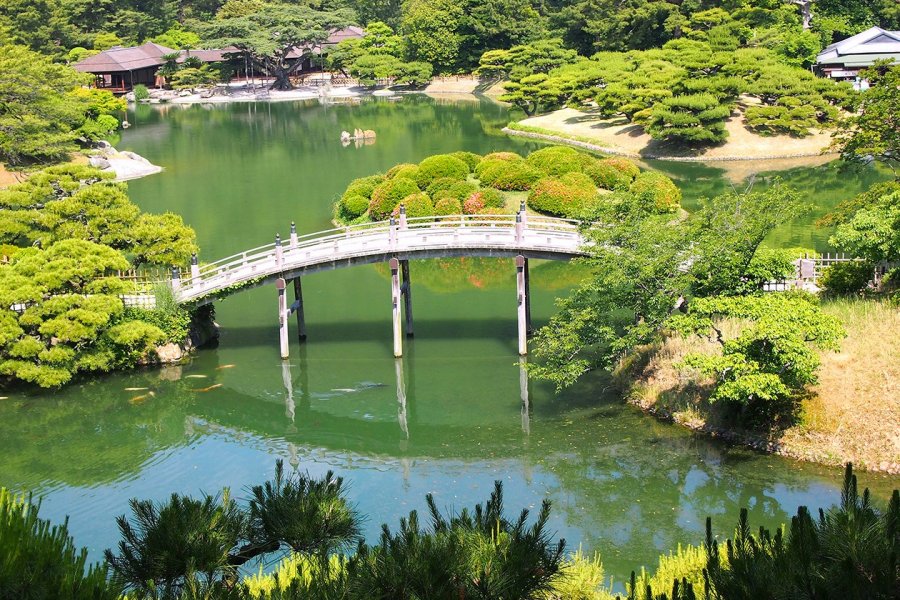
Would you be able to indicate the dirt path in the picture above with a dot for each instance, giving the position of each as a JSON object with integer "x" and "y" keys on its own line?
{"x": 629, "y": 139}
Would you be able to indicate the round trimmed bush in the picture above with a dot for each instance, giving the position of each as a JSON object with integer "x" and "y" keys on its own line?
{"x": 489, "y": 198}
{"x": 491, "y": 159}
{"x": 407, "y": 170}
{"x": 607, "y": 176}
{"x": 579, "y": 180}
{"x": 363, "y": 186}
{"x": 846, "y": 277}
{"x": 387, "y": 195}
{"x": 624, "y": 165}
{"x": 447, "y": 206}
{"x": 353, "y": 206}
{"x": 508, "y": 174}
{"x": 556, "y": 197}
{"x": 473, "y": 204}
{"x": 556, "y": 160}
{"x": 447, "y": 187}
{"x": 657, "y": 192}
{"x": 417, "y": 205}
{"x": 470, "y": 158}
{"x": 438, "y": 166}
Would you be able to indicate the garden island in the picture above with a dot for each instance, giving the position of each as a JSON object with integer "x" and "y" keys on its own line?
{"x": 648, "y": 251}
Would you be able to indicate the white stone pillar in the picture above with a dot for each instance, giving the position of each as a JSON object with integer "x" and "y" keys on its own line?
{"x": 522, "y": 316}
{"x": 395, "y": 307}
{"x": 284, "y": 343}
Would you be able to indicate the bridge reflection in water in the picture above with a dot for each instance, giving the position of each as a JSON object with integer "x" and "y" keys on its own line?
{"x": 290, "y": 385}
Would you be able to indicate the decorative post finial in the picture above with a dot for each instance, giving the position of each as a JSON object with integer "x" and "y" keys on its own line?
{"x": 522, "y": 206}
{"x": 194, "y": 259}
{"x": 293, "y": 227}
{"x": 277, "y": 239}
{"x": 402, "y": 209}
{"x": 402, "y": 216}
{"x": 176, "y": 274}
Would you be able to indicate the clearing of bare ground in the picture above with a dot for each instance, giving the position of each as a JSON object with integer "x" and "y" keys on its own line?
{"x": 852, "y": 414}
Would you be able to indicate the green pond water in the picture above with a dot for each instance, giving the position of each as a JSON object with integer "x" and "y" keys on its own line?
{"x": 621, "y": 484}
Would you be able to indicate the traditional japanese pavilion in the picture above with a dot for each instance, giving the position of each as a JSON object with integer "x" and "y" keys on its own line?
{"x": 845, "y": 59}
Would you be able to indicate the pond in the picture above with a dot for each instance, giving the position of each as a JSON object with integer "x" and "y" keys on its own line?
{"x": 449, "y": 418}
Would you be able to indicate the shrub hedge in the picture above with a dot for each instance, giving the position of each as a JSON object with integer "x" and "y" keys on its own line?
{"x": 563, "y": 199}
{"x": 656, "y": 189}
{"x": 846, "y": 278}
{"x": 607, "y": 176}
{"x": 417, "y": 205}
{"x": 439, "y": 166}
{"x": 447, "y": 206}
{"x": 353, "y": 206}
{"x": 470, "y": 158}
{"x": 408, "y": 170}
{"x": 556, "y": 160}
{"x": 508, "y": 174}
{"x": 387, "y": 195}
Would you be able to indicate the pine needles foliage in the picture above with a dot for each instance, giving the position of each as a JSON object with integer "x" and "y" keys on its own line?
{"x": 39, "y": 560}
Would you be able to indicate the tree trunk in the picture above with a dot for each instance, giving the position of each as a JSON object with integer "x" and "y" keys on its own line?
{"x": 282, "y": 81}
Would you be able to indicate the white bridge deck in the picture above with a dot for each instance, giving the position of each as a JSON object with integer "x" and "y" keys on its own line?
{"x": 422, "y": 237}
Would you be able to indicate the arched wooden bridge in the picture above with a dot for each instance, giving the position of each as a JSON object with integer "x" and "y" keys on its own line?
{"x": 518, "y": 236}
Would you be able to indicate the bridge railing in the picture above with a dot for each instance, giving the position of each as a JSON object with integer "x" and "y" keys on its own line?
{"x": 260, "y": 256}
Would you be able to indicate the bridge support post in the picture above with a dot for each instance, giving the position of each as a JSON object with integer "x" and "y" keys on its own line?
{"x": 528, "y": 328}
{"x": 280, "y": 285}
{"x": 301, "y": 317}
{"x": 406, "y": 291}
{"x": 521, "y": 267}
{"x": 395, "y": 307}
{"x": 195, "y": 267}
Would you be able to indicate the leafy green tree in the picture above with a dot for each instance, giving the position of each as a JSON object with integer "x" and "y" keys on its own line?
{"x": 643, "y": 270}
{"x": 38, "y": 114}
{"x": 80, "y": 202}
{"x": 177, "y": 38}
{"x": 41, "y": 25}
{"x": 765, "y": 367}
{"x": 873, "y": 232}
{"x": 691, "y": 119}
{"x": 106, "y": 40}
{"x": 432, "y": 33}
{"x": 875, "y": 130}
{"x": 273, "y": 32}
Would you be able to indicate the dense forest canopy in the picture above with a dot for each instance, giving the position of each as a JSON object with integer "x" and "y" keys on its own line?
{"x": 452, "y": 35}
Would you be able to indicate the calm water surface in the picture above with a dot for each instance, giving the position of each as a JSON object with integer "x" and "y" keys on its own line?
{"x": 449, "y": 418}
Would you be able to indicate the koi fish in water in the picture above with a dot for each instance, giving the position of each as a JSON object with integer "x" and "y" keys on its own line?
{"x": 142, "y": 398}
{"x": 195, "y": 376}
{"x": 206, "y": 389}
{"x": 225, "y": 367}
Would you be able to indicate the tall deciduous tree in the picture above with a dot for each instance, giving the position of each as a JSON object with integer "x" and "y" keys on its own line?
{"x": 272, "y": 35}
{"x": 875, "y": 130}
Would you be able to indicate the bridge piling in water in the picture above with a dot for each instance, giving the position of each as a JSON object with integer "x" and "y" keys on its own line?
{"x": 395, "y": 307}
{"x": 521, "y": 269}
{"x": 406, "y": 291}
{"x": 298, "y": 304}
{"x": 280, "y": 285}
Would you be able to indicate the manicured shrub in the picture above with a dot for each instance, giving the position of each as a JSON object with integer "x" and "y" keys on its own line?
{"x": 556, "y": 160}
{"x": 386, "y": 196}
{"x": 607, "y": 177}
{"x": 656, "y": 192}
{"x": 490, "y": 197}
{"x": 141, "y": 92}
{"x": 470, "y": 158}
{"x": 473, "y": 204}
{"x": 408, "y": 170}
{"x": 447, "y": 206}
{"x": 364, "y": 186}
{"x": 452, "y": 188}
{"x": 438, "y": 166}
{"x": 417, "y": 205}
{"x": 579, "y": 180}
{"x": 492, "y": 158}
{"x": 624, "y": 165}
{"x": 846, "y": 277}
{"x": 353, "y": 206}
{"x": 556, "y": 197}
{"x": 508, "y": 174}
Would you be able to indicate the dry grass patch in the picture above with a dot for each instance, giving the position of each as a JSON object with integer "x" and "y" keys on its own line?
{"x": 853, "y": 414}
